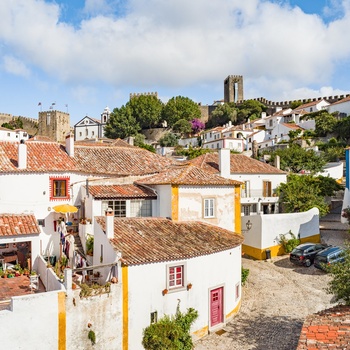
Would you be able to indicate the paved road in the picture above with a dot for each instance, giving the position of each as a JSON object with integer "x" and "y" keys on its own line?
{"x": 276, "y": 300}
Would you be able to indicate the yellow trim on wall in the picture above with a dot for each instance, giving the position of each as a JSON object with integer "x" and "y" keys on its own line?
{"x": 175, "y": 203}
{"x": 276, "y": 250}
{"x": 62, "y": 320}
{"x": 235, "y": 310}
{"x": 238, "y": 220}
{"x": 201, "y": 332}
{"x": 125, "y": 307}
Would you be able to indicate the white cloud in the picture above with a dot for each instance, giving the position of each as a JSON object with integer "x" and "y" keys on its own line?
{"x": 177, "y": 43}
{"x": 15, "y": 66}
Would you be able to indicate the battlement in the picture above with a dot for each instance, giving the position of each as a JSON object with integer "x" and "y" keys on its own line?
{"x": 132, "y": 95}
{"x": 286, "y": 104}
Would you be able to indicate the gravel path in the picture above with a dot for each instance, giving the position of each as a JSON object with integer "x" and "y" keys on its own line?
{"x": 275, "y": 301}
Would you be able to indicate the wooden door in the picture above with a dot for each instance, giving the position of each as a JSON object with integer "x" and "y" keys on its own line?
{"x": 216, "y": 306}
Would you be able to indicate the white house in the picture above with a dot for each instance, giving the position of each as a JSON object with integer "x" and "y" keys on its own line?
{"x": 313, "y": 106}
{"x": 342, "y": 106}
{"x": 260, "y": 180}
{"x": 162, "y": 264}
{"x": 13, "y": 135}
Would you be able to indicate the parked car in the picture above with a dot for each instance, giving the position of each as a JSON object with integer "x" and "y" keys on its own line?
{"x": 304, "y": 254}
{"x": 329, "y": 256}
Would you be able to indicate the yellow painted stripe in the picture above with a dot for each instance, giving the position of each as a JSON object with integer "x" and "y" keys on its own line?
{"x": 237, "y": 224}
{"x": 276, "y": 250}
{"x": 235, "y": 310}
{"x": 125, "y": 281}
{"x": 175, "y": 203}
{"x": 62, "y": 321}
{"x": 201, "y": 332}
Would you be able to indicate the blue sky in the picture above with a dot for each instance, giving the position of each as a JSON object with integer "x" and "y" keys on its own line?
{"x": 84, "y": 55}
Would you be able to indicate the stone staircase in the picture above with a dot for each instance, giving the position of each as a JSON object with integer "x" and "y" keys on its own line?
{"x": 78, "y": 247}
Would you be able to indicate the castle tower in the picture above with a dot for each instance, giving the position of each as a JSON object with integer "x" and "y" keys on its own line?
{"x": 54, "y": 124}
{"x": 233, "y": 88}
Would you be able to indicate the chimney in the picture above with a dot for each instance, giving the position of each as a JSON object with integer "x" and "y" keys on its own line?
{"x": 22, "y": 155}
{"x": 131, "y": 140}
{"x": 109, "y": 223}
{"x": 278, "y": 162}
{"x": 70, "y": 145}
{"x": 225, "y": 162}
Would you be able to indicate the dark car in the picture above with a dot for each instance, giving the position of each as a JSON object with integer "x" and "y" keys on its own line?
{"x": 304, "y": 254}
{"x": 329, "y": 256}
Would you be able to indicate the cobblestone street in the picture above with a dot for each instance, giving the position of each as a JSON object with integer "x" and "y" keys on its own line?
{"x": 275, "y": 302}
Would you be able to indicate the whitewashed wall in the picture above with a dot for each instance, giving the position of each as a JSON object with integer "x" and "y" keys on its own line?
{"x": 266, "y": 229}
{"x": 32, "y": 323}
{"x": 146, "y": 283}
{"x": 191, "y": 204}
{"x": 334, "y": 170}
{"x": 343, "y": 107}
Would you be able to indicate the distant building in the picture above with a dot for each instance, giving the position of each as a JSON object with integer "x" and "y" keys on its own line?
{"x": 91, "y": 128}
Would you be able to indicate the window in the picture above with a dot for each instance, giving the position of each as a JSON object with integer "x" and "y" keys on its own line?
{"x": 48, "y": 118}
{"x": 140, "y": 208}
{"x": 59, "y": 188}
{"x": 245, "y": 189}
{"x": 154, "y": 317}
{"x": 41, "y": 222}
{"x": 118, "y": 207}
{"x": 209, "y": 207}
{"x": 176, "y": 278}
{"x": 246, "y": 210}
{"x": 267, "y": 189}
{"x": 92, "y": 133}
{"x": 237, "y": 291}
{"x": 80, "y": 133}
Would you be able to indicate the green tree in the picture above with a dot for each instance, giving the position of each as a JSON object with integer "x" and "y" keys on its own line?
{"x": 250, "y": 109}
{"x": 139, "y": 141}
{"x": 342, "y": 130}
{"x": 302, "y": 193}
{"x": 295, "y": 159}
{"x": 182, "y": 126}
{"x": 222, "y": 114}
{"x": 180, "y": 108}
{"x": 192, "y": 152}
{"x": 13, "y": 124}
{"x": 121, "y": 124}
{"x": 172, "y": 333}
{"x": 295, "y": 104}
{"x": 325, "y": 123}
{"x": 146, "y": 109}
{"x": 339, "y": 285}
{"x": 168, "y": 140}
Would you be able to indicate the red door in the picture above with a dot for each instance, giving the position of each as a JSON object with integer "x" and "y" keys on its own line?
{"x": 216, "y": 306}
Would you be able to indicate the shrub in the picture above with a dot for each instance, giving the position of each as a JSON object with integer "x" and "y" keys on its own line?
{"x": 244, "y": 275}
{"x": 289, "y": 244}
{"x": 170, "y": 333}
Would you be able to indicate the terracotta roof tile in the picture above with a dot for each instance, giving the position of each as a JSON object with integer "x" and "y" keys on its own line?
{"x": 239, "y": 164}
{"x": 147, "y": 240}
{"x": 101, "y": 160}
{"x": 187, "y": 175}
{"x": 41, "y": 157}
{"x": 328, "y": 329}
{"x": 121, "y": 161}
{"x": 345, "y": 99}
{"x": 18, "y": 224}
{"x": 121, "y": 191}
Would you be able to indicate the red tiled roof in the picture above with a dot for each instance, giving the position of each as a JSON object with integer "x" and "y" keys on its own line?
{"x": 121, "y": 161}
{"x": 147, "y": 240}
{"x": 121, "y": 191}
{"x": 105, "y": 159}
{"x": 328, "y": 329}
{"x": 18, "y": 224}
{"x": 309, "y": 104}
{"x": 345, "y": 99}
{"x": 239, "y": 164}
{"x": 292, "y": 126}
{"x": 41, "y": 157}
{"x": 187, "y": 175}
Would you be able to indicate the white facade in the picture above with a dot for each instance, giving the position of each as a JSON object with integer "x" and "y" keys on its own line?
{"x": 342, "y": 106}
{"x": 266, "y": 229}
{"x": 13, "y": 135}
{"x": 226, "y": 142}
{"x": 146, "y": 282}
